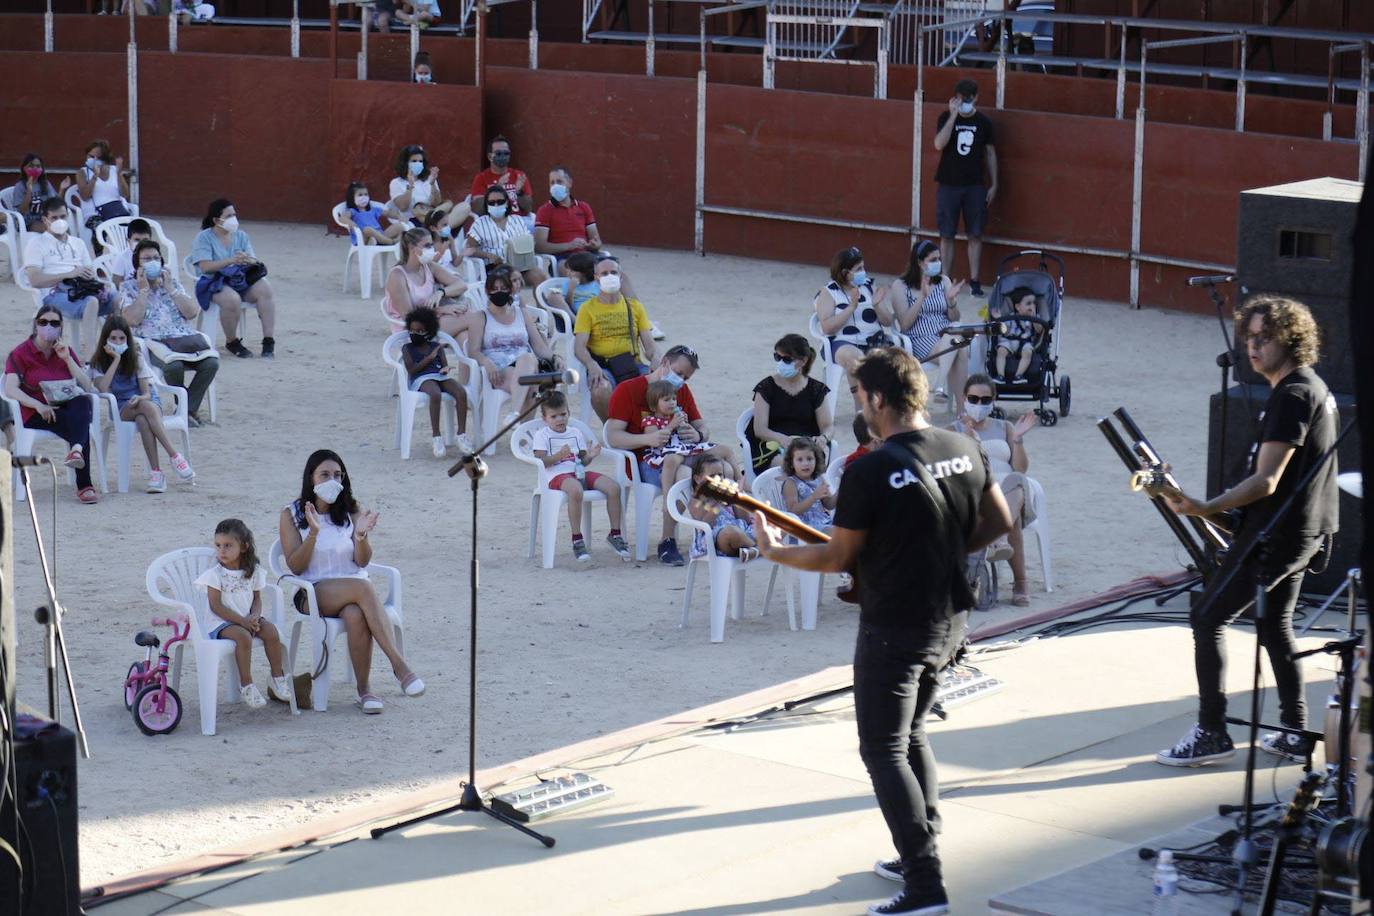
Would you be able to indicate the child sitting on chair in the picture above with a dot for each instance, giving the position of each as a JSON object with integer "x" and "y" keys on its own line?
{"x": 806, "y": 493}
{"x": 565, "y": 451}
{"x": 733, "y": 534}
{"x": 661, "y": 397}
{"x": 1019, "y": 337}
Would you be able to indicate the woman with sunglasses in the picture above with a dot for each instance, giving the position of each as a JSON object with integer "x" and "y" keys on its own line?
{"x": 926, "y": 302}
{"x": 1002, "y": 441}
{"x": 47, "y": 358}
{"x": 787, "y": 404}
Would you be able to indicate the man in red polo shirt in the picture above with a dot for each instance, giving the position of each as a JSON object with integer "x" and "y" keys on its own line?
{"x": 515, "y": 182}
{"x": 625, "y": 430}
{"x": 564, "y": 224}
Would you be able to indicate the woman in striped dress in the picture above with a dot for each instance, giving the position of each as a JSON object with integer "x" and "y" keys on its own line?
{"x": 925, "y": 302}
{"x": 493, "y": 229}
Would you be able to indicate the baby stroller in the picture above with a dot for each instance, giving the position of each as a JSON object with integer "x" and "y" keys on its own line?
{"x": 1041, "y": 380}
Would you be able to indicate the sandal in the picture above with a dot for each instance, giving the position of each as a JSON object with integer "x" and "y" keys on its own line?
{"x": 369, "y": 703}
{"x": 76, "y": 458}
{"x": 1020, "y": 594}
{"x": 748, "y": 553}
{"x": 88, "y": 495}
{"x": 411, "y": 685}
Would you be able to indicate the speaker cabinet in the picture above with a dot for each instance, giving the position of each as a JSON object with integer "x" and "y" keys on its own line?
{"x": 1244, "y": 404}
{"x": 45, "y": 785}
{"x": 1295, "y": 240}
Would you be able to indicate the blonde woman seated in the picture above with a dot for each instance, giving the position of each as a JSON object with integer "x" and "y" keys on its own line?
{"x": 418, "y": 280}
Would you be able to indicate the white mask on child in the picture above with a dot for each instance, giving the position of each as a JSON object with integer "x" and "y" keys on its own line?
{"x": 329, "y": 491}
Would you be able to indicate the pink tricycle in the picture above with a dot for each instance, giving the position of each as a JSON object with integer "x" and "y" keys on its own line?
{"x": 155, "y": 705}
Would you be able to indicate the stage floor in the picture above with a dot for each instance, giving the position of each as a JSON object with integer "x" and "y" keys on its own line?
{"x": 777, "y": 816}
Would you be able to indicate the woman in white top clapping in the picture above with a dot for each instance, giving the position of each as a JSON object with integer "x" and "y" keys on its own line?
{"x": 102, "y": 184}
{"x": 415, "y": 191}
{"x": 324, "y": 537}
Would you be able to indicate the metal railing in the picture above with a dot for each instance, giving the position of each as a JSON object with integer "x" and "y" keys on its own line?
{"x": 813, "y": 38}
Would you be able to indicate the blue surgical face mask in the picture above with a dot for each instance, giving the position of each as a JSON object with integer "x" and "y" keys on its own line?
{"x": 416, "y": 167}
{"x": 933, "y": 268}
{"x": 786, "y": 370}
{"x": 93, "y": 164}
{"x": 860, "y": 277}
{"x": 497, "y": 211}
{"x": 558, "y": 192}
{"x": 965, "y": 108}
{"x": 672, "y": 378}
{"x": 445, "y": 233}
{"x": 152, "y": 269}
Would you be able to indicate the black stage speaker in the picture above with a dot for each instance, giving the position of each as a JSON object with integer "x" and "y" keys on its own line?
{"x": 1244, "y": 404}
{"x": 1295, "y": 240}
{"x": 9, "y": 824}
{"x": 45, "y": 784}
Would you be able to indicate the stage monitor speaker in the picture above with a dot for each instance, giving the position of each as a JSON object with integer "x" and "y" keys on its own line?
{"x": 1295, "y": 240}
{"x": 1244, "y": 405}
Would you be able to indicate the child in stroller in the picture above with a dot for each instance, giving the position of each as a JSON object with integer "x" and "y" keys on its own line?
{"x": 1019, "y": 338}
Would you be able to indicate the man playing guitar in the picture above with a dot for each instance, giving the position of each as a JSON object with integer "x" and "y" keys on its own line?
{"x": 907, "y": 516}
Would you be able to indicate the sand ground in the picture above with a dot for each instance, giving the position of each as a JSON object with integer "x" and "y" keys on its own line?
{"x": 566, "y": 653}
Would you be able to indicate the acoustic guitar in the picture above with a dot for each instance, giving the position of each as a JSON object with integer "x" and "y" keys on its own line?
{"x": 727, "y": 491}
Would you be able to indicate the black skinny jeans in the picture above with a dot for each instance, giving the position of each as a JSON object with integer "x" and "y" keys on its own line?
{"x": 895, "y": 685}
{"x": 1285, "y": 566}
{"x": 72, "y": 421}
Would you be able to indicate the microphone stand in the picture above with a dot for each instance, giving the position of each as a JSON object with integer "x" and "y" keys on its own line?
{"x": 471, "y": 800}
{"x": 1246, "y": 854}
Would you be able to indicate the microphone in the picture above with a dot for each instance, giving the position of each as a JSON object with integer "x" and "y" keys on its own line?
{"x": 565, "y": 377}
{"x": 1211, "y": 280}
{"x": 27, "y": 461}
{"x": 973, "y": 330}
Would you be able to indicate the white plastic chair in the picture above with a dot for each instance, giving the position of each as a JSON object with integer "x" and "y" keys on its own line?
{"x": 726, "y": 573}
{"x": 1041, "y": 529}
{"x": 835, "y": 470}
{"x": 126, "y": 432}
{"x": 834, "y": 372}
{"x": 78, "y": 211}
{"x": 25, "y": 439}
{"x": 546, "y": 505}
{"x": 411, "y": 401}
{"x": 211, "y": 397}
{"x": 625, "y": 466}
{"x": 210, "y": 315}
{"x": 113, "y": 235}
{"x": 366, "y": 254}
{"x": 171, "y": 583}
{"x": 810, "y": 585}
{"x": 14, "y": 238}
{"x": 746, "y": 420}
{"x": 323, "y": 632}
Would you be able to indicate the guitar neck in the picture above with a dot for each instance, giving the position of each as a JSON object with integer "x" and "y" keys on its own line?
{"x": 777, "y": 518}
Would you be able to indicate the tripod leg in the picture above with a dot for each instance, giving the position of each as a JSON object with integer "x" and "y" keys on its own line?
{"x": 512, "y": 822}
{"x": 71, "y": 684}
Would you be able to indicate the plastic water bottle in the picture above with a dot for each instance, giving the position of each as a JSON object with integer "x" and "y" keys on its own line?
{"x": 580, "y": 467}
{"x": 1166, "y": 885}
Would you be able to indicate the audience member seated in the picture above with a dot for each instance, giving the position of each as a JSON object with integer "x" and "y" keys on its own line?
{"x": 121, "y": 371}
{"x": 577, "y": 282}
{"x": 428, "y": 371}
{"x": 850, "y": 313}
{"x": 731, "y": 530}
{"x": 365, "y": 218}
{"x": 1019, "y": 338}
{"x": 324, "y": 539}
{"x": 805, "y": 491}
{"x": 565, "y": 451}
{"x": 423, "y": 13}
{"x": 626, "y": 429}
{"x": 415, "y": 191}
{"x": 122, "y": 265}
{"x": 500, "y": 237}
{"x": 612, "y": 333}
{"x": 32, "y": 189}
{"x": 58, "y": 265}
{"x": 230, "y": 274}
{"x": 1002, "y": 441}
{"x": 418, "y": 280}
{"x": 383, "y": 11}
{"x": 162, "y": 313}
{"x": 423, "y": 69}
{"x": 506, "y": 342}
{"x": 564, "y": 225}
{"x": 49, "y": 381}
{"x": 926, "y": 303}
{"x": 102, "y": 186}
{"x": 452, "y": 247}
{"x": 660, "y": 398}
{"x": 867, "y": 442}
{"x": 787, "y": 404}
{"x": 514, "y": 182}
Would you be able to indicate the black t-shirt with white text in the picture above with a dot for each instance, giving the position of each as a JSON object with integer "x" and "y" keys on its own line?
{"x": 905, "y": 568}
{"x": 1300, "y": 412}
{"x": 961, "y": 161}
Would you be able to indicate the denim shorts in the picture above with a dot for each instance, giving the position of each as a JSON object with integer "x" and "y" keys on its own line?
{"x": 217, "y": 631}
{"x": 59, "y": 300}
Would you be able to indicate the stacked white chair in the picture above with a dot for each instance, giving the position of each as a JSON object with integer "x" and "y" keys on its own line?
{"x": 322, "y": 633}
{"x": 411, "y": 401}
{"x": 171, "y": 583}
{"x": 113, "y": 235}
{"x": 547, "y": 505}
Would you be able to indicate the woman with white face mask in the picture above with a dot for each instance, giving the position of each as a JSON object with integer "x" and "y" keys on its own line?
{"x": 231, "y": 273}
{"x": 501, "y": 237}
{"x": 926, "y": 302}
{"x": 1002, "y": 441}
{"x": 420, "y": 280}
{"x": 787, "y": 404}
{"x": 324, "y": 539}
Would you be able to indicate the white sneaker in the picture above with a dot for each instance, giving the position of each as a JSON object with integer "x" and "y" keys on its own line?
{"x": 464, "y": 444}
{"x": 656, "y": 333}
{"x": 157, "y": 482}
{"x": 1000, "y": 550}
{"x": 279, "y": 689}
{"x": 182, "y": 467}
{"x": 439, "y": 448}
{"x": 250, "y": 695}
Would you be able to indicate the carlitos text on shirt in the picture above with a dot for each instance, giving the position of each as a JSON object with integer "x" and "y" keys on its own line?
{"x": 939, "y": 470}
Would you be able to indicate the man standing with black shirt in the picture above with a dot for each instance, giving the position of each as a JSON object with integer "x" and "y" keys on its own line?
{"x": 908, "y": 545}
{"x": 1298, "y": 427}
{"x": 965, "y": 140}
